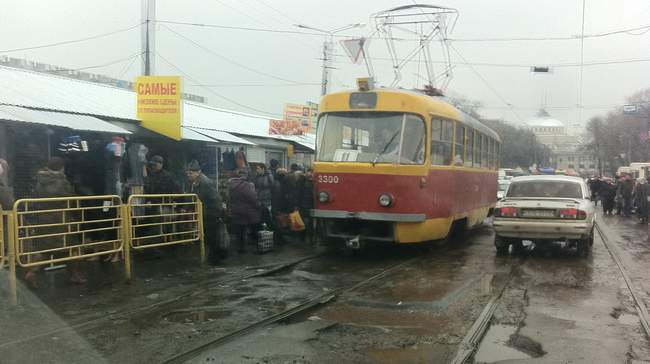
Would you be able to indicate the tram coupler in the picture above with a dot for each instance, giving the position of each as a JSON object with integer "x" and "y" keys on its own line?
{"x": 353, "y": 243}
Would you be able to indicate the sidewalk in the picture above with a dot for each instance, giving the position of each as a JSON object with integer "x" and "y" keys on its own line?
{"x": 38, "y": 330}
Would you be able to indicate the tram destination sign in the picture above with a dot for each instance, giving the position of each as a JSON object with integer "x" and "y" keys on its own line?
{"x": 159, "y": 104}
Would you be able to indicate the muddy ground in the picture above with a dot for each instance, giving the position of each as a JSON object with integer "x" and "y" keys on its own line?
{"x": 555, "y": 307}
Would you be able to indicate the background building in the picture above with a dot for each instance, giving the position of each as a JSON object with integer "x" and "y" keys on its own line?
{"x": 566, "y": 147}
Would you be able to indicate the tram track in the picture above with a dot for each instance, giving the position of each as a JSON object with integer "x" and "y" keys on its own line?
{"x": 639, "y": 305}
{"x": 315, "y": 301}
{"x": 195, "y": 291}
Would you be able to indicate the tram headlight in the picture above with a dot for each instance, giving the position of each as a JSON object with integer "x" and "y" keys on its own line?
{"x": 385, "y": 200}
{"x": 323, "y": 196}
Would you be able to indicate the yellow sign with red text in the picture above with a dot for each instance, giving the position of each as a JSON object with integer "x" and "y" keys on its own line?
{"x": 159, "y": 104}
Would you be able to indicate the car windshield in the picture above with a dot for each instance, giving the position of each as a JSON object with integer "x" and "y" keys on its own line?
{"x": 545, "y": 189}
{"x": 375, "y": 137}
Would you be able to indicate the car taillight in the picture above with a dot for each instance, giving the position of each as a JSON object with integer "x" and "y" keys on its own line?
{"x": 506, "y": 212}
{"x": 573, "y": 214}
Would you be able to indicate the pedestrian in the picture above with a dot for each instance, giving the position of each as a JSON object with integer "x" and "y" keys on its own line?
{"x": 6, "y": 192}
{"x": 159, "y": 180}
{"x": 625, "y": 190}
{"x": 274, "y": 164}
{"x": 243, "y": 208}
{"x": 280, "y": 208}
{"x": 51, "y": 182}
{"x": 642, "y": 193}
{"x": 307, "y": 204}
{"x": 206, "y": 190}
{"x": 608, "y": 195}
{"x": 264, "y": 187}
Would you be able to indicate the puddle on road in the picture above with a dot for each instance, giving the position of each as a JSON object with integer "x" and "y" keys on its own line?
{"x": 420, "y": 353}
{"x": 196, "y": 316}
{"x": 494, "y": 346}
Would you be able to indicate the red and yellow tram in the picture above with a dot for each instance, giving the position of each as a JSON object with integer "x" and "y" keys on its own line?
{"x": 399, "y": 166}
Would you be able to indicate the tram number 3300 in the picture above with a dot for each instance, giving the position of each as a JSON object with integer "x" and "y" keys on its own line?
{"x": 328, "y": 179}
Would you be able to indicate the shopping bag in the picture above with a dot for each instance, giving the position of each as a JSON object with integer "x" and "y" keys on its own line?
{"x": 295, "y": 221}
{"x": 264, "y": 240}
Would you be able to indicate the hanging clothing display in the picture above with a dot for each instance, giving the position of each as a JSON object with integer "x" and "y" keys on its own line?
{"x": 137, "y": 157}
{"x": 240, "y": 159}
{"x": 229, "y": 163}
{"x": 113, "y": 155}
{"x": 72, "y": 144}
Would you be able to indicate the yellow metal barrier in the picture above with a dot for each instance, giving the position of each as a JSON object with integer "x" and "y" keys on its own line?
{"x": 162, "y": 220}
{"x": 4, "y": 221}
{"x": 53, "y": 230}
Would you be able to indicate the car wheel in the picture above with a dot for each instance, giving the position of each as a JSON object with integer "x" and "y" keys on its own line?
{"x": 501, "y": 246}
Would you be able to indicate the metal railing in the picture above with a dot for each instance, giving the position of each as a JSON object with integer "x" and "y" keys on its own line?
{"x": 162, "y": 220}
{"x": 47, "y": 231}
{"x": 54, "y": 230}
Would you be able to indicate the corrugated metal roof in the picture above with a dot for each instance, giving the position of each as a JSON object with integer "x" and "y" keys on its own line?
{"x": 39, "y": 90}
{"x": 64, "y": 120}
{"x": 221, "y": 136}
{"x": 189, "y": 134}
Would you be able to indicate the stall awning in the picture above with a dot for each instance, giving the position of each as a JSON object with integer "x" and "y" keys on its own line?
{"x": 189, "y": 134}
{"x": 218, "y": 135}
{"x": 60, "y": 119}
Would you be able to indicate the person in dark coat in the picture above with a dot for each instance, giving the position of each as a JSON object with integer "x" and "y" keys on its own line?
{"x": 307, "y": 204}
{"x": 206, "y": 190}
{"x": 279, "y": 204}
{"x": 607, "y": 196}
{"x": 641, "y": 194}
{"x": 159, "y": 180}
{"x": 51, "y": 182}
{"x": 6, "y": 192}
{"x": 625, "y": 189}
{"x": 244, "y": 208}
{"x": 264, "y": 187}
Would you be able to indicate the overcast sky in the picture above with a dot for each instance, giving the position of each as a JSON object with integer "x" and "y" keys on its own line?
{"x": 226, "y": 59}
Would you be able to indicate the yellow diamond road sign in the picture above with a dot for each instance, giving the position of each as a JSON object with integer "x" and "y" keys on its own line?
{"x": 159, "y": 104}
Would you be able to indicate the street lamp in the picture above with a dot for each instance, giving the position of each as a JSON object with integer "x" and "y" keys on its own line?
{"x": 327, "y": 46}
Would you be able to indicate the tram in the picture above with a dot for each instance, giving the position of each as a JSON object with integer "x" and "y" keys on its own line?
{"x": 400, "y": 167}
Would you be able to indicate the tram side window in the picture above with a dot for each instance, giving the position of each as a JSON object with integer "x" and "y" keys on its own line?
{"x": 491, "y": 153}
{"x": 469, "y": 148}
{"x": 484, "y": 152}
{"x": 477, "y": 150}
{"x": 459, "y": 141}
{"x": 441, "y": 138}
{"x": 413, "y": 145}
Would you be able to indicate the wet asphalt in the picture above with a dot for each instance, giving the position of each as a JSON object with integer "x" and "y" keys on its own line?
{"x": 555, "y": 307}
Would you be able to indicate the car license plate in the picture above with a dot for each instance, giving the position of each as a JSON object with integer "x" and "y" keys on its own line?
{"x": 538, "y": 213}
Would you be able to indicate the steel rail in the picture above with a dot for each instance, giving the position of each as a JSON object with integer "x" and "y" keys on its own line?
{"x": 640, "y": 306}
{"x": 199, "y": 289}
{"x": 302, "y": 307}
{"x": 473, "y": 337}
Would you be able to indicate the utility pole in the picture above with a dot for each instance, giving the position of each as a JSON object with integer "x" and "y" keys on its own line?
{"x": 326, "y": 66}
{"x": 148, "y": 42}
{"x": 328, "y": 45}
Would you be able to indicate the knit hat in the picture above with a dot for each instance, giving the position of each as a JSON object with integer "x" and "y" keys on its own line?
{"x": 194, "y": 166}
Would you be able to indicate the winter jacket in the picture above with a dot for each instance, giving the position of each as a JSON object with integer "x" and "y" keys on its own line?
{"x": 207, "y": 192}
{"x": 243, "y": 206}
{"x": 51, "y": 183}
{"x": 625, "y": 189}
{"x": 307, "y": 194}
{"x": 6, "y": 197}
{"x": 160, "y": 182}
{"x": 279, "y": 198}
{"x": 264, "y": 188}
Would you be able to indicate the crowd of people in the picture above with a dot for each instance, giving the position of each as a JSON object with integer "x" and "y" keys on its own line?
{"x": 622, "y": 196}
{"x": 258, "y": 197}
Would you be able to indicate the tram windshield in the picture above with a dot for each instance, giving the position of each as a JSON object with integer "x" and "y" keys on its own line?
{"x": 372, "y": 137}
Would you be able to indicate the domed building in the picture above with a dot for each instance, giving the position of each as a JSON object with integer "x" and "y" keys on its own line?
{"x": 567, "y": 151}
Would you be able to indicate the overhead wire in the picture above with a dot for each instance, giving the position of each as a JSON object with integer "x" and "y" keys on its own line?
{"x": 228, "y": 60}
{"x": 72, "y": 41}
{"x": 489, "y": 86}
{"x": 213, "y": 92}
{"x": 110, "y": 63}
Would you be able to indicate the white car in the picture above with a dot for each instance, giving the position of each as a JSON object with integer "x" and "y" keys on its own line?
{"x": 502, "y": 187}
{"x": 545, "y": 210}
